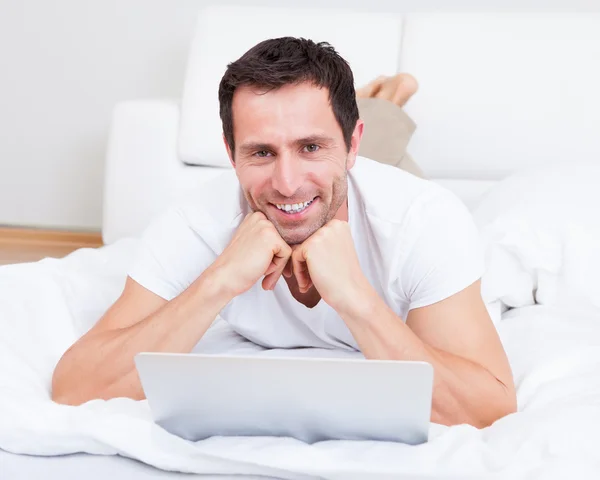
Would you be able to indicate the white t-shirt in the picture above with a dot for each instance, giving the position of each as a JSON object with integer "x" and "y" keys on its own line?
{"x": 416, "y": 243}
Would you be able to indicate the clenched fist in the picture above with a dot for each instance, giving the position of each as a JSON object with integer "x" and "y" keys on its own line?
{"x": 328, "y": 260}
{"x": 256, "y": 250}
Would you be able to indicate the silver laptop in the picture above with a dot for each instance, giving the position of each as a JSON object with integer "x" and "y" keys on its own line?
{"x": 196, "y": 396}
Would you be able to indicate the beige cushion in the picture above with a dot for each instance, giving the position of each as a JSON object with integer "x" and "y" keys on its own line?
{"x": 387, "y": 131}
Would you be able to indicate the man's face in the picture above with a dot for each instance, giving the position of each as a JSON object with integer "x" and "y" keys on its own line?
{"x": 290, "y": 157}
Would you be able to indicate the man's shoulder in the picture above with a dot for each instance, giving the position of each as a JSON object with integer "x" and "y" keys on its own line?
{"x": 426, "y": 241}
{"x": 389, "y": 193}
{"x": 213, "y": 208}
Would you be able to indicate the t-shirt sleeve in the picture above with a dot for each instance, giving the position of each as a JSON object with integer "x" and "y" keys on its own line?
{"x": 445, "y": 254}
{"x": 170, "y": 255}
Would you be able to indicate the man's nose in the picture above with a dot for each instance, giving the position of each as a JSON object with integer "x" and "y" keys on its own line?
{"x": 287, "y": 176}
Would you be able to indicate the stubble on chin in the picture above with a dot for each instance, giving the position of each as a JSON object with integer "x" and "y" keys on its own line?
{"x": 296, "y": 236}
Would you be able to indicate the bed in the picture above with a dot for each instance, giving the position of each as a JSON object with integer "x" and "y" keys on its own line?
{"x": 522, "y": 151}
{"x": 553, "y": 343}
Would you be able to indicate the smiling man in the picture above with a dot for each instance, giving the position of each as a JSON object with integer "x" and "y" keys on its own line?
{"x": 305, "y": 244}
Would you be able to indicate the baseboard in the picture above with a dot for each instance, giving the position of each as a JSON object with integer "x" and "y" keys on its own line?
{"x": 45, "y": 237}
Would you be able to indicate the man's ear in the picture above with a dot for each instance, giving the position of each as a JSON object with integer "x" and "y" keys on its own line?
{"x": 229, "y": 152}
{"x": 355, "y": 143}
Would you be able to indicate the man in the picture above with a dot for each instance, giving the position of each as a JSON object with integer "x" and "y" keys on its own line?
{"x": 305, "y": 244}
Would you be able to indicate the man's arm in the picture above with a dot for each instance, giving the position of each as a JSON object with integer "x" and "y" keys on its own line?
{"x": 472, "y": 378}
{"x": 101, "y": 363}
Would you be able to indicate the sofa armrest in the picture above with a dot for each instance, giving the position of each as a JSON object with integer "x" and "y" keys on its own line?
{"x": 141, "y": 156}
{"x": 143, "y": 173}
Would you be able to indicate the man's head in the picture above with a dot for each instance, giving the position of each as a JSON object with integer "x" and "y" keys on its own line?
{"x": 291, "y": 129}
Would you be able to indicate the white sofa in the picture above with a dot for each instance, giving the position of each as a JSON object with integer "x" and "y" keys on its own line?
{"x": 498, "y": 93}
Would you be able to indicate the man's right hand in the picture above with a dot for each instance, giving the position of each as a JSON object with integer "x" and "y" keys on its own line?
{"x": 255, "y": 250}
{"x": 101, "y": 363}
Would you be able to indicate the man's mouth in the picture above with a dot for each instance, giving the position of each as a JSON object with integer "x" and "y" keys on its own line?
{"x": 294, "y": 207}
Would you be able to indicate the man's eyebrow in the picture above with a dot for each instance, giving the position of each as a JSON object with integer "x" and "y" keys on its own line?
{"x": 255, "y": 147}
{"x": 319, "y": 139}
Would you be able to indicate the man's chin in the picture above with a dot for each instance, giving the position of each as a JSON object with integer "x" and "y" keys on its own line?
{"x": 294, "y": 238}
{"x": 298, "y": 233}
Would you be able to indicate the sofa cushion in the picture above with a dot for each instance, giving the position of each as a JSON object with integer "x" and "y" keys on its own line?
{"x": 224, "y": 33}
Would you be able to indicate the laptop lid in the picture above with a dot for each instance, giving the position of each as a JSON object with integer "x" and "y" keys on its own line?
{"x": 197, "y": 396}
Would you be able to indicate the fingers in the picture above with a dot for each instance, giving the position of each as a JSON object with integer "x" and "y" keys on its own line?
{"x": 273, "y": 274}
{"x": 301, "y": 271}
{"x": 270, "y": 280}
{"x": 288, "y": 271}
{"x": 249, "y": 222}
{"x": 272, "y": 267}
{"x": 281, "y": 255}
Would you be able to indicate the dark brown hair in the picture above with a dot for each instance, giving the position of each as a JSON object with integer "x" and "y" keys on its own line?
{"x": 282, "y": 61}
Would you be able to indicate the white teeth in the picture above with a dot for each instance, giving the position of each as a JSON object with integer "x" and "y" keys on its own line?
{"x": 294, "y": 207}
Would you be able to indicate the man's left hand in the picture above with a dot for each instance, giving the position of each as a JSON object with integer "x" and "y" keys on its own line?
{"x": 328, "y": 260}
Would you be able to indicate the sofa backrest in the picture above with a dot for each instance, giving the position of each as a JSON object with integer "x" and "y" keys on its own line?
{"x": 499, "y": 92}
{"x": 502, "y": 92}
{"x": 369, "y": 42}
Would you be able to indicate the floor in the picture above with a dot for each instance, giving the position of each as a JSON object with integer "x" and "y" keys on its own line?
{"x": 19, "y": 245}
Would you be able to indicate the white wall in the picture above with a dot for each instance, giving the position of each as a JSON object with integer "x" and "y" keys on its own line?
{"x": 64, "y": 65}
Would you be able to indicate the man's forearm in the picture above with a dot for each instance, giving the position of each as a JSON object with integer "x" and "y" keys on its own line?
{"x": 101, "y": 365}
{"x": 463, "y": 391}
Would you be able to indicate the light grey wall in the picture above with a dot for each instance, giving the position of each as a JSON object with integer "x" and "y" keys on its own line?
{"x": 64, "y": 65}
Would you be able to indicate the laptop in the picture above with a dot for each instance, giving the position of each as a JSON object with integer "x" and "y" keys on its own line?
{"x": 196, "y": 396}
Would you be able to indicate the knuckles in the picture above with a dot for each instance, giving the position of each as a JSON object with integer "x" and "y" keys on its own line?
{"x": 334, "y": 227}
{"x": 267, "y": 231}
{"x": 332, "y": 232}
{"x": 257, "y": 217}
{"x": 337, "y": 225}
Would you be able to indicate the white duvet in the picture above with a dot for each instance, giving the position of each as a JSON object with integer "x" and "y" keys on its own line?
{"x": 553, "y": 347}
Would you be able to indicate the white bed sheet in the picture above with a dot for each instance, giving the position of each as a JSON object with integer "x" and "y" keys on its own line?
{"x": 80, "y": 466}
{"x": 44, "y": 307}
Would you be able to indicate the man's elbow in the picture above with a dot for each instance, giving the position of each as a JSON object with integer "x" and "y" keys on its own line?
{"x": 65, "y": 394}
{"x": 68, "y": 391}
{"x": 61, "y": 393}
{"x": 503, "y": 405}
{"x": 510, "y": 403}
{"x": 68, "y": 387}
{"x": 63, "y": 398}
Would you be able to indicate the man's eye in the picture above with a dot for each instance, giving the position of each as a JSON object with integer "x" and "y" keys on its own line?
{"x": 312, "y": 148}
{"x": 262, "y": 153}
